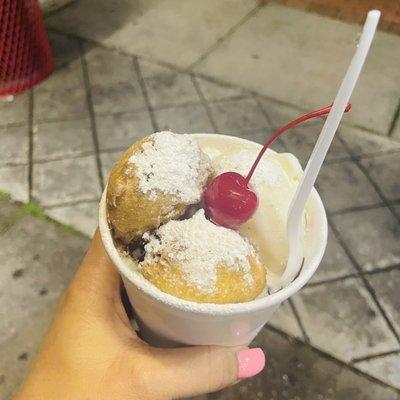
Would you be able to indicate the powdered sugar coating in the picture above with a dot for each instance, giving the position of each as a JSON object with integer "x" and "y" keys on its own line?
{"x": 172, "y": 164}
{"x": 199, "y": 248}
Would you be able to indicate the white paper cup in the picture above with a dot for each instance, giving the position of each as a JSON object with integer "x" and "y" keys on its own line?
{"x": 165, "y": 320}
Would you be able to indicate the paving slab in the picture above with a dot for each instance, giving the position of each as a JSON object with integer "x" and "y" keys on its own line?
{"x": 68, "y": 76}
{"x": 107, "y": 161}
{"x": 173, "y": 31}
{"x": 189, "y": 118}
{"x": 215, "y": 91}
{"x": 62, "y": 139}
{"x": 171, "y": 90}
{"x": 342, "y": 319}
{"x": 117, "y": 97}
{"x": 14, "y": 181}
{"x": 14, "y": 110}
{"x": 35, "y": 270}
{"x": 150, "y": 69}
{"x": 386, "y": 285}
{"x": 385, "y": 368}
{"x": 335, "y": 262}
{"x": 371, "y": 235}
{"x": 355, "y": 188}
{"x": 385, "y": 171}
{"x": 17, "y": 352}
{"x": 61, "y": 181}
{"x": 123, "y": 129}
{"x": 376, "y": 97}
{"x": 14, "y": 144}
{"x": 51, "y": 105}
{"x": 82, "y": 216}
{"x": 106, "y": 66}
{"x": 277, "y": 113}
{"x": 300, "y": 58}
{"x": 362, "y": 143}
{"x": 285, "y": 320}
{"x": 301, "y": 141}
{"x": 295, "y": 371}
{"x": 238, "y": 115}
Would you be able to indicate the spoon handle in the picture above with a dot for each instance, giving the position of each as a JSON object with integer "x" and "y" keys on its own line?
{"x": 322, "y": 146}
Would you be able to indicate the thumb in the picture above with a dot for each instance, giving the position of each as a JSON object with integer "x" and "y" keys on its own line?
{"x": 97, "y": 274}
{"x": 199, "y": 370}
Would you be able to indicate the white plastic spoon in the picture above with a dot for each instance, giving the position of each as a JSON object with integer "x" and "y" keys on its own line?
{"x": 321, "y": 148}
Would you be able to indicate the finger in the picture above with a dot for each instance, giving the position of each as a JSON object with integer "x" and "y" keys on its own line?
{"x": 97, "y": 275}
{"x": 199, "y": 370}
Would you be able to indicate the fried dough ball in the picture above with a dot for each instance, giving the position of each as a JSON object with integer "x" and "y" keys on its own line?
{"x": 232, "y": 286}
{"x": 154, "y": 181}
{"x": 198, "y": 261}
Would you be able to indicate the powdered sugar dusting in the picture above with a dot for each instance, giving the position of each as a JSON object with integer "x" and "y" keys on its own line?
{"x": 172, "y": 164}
{"x": 198, "y": 248}
{"x": 267, "y": 171}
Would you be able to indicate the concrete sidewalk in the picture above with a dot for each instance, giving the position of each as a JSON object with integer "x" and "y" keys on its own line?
{"x": 292, "y": 56}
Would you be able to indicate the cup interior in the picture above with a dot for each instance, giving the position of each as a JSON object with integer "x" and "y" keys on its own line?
{"x": 315, "y": 244}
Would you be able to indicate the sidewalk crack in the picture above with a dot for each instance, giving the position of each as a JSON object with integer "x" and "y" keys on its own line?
{"x": 92, "y": 117}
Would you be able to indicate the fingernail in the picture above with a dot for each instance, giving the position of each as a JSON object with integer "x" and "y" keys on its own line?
{"x": 250, "y": 362}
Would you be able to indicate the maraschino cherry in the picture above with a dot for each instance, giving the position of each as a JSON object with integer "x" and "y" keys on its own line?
{"x": 230, "y": 200}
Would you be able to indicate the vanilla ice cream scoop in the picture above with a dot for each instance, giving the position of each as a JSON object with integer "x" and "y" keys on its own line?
{"x": 275, "y": 181}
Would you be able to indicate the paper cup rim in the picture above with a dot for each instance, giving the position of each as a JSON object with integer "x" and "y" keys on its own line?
{"x": 258, "y": 304}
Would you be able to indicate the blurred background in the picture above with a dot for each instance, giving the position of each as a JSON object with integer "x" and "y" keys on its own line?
{"x": 126, "y": 68}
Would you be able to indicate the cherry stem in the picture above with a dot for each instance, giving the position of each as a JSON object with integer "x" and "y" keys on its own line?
{"x": 280, "y": 131}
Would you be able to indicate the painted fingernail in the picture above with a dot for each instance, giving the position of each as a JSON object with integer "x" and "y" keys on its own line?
{"x": 250, "y": 362}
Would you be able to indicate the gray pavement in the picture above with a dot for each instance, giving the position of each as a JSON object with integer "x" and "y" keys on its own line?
{"x": 59, "y": 141}
{"x": 289, "y": 55}
{"x": 38, "y": 260}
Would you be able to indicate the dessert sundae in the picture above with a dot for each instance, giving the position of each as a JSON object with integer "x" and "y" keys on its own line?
{"x": 201, "y": 219}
